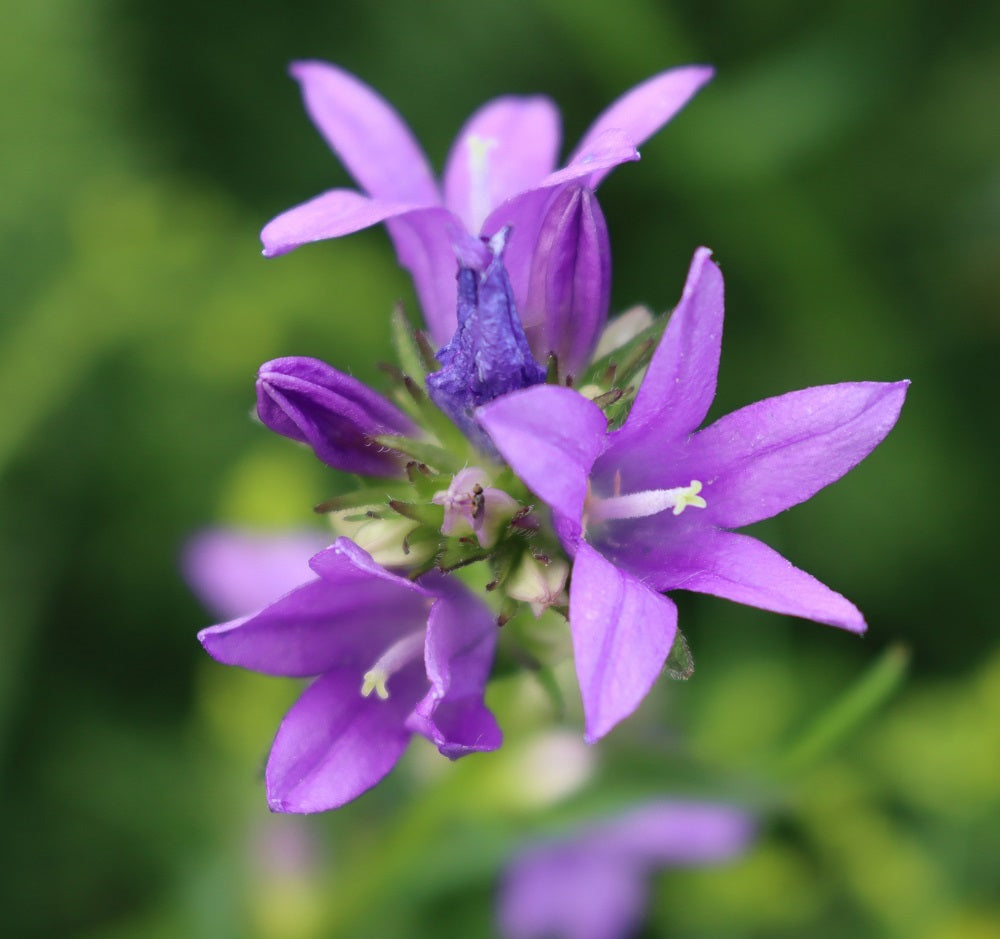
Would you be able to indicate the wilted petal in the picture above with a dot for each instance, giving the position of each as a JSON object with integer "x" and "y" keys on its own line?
{"x": 330, "y": 215}
{"x": 569, "y": 285}
{"x": 679, "y": 385}
{"x": 334, "y": 744}
{"x": 643, "y": 110}
{"x": 740, "y": 568}
{"x": 366, "y": 133}
{"x": 550, "y": 436}
{"x": 777, "y": 453}
{"x": 337, "y": 415}
{"x": 349, "y": 615}
{"x": 460, "y": 645}
{"x": 235, "y": 572}
{"x": 503, "y": 149}
{"x": 622, "y": 634}
{"x": 488, "y": 356}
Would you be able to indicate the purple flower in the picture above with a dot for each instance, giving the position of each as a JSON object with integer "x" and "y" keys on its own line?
{"x": 236, "y": 572}
{"x": 309, "y": 401}
{"x": 593, "y": 885}
{"x": 393, "y": 658}
{"x": 609, "y": 492}
{"x": 488, "y": 356}
{"x": 500, "y": 172}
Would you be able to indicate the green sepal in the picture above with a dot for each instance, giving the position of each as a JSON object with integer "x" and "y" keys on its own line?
{"x": 429, "y": 453}
{"x": 623, "y": 363}
{"x": 457, "y": 552}
{"x": 679, "y": 664}
{"x": 404, "y": 342}
{"x": 424, "y": 512}
{"x": 358, "y": 498}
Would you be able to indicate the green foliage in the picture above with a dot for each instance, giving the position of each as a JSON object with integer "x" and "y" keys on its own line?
{"x": 843, "y": 167}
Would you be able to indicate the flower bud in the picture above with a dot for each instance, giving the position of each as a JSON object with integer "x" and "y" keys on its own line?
{"x": 569, "y": 285}
{"x": 309, "y": 401}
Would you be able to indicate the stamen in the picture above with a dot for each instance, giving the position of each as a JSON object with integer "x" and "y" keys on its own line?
{"x": 641, "y": 504}
{"x": 398, "y": 655}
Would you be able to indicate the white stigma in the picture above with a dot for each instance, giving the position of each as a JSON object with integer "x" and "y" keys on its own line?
{"x": 641, "y": 504}
{"x": 399, "y": 654}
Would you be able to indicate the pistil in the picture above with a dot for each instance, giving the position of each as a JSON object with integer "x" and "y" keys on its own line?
{"x": 397, "y": 656}
{"x": 642, "y": 504}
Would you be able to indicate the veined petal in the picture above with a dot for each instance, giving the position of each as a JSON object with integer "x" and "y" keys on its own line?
{"x": 366, "y": 133}
{"x": 680, "y": 382}
{"x": 334, "y": 744}
{"x": 330, "y": 215}
{"x": 235, "y": 572}
{"x": 622, "y": 634}
{"x": 777, "y": 453}
{"x": 426, "y": 244}
{"x": 740, "y": 568}
{"x": 506, "y": 147}
{"x": 550, "y": 436}
{"x": 643, "y": 110}
{"x": 458, "y": 652}
{"x": 349, "y": 615}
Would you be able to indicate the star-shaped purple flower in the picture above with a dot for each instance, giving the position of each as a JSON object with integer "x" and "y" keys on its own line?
{"x": 501, "y": 172}
{"x": 610, "y": 492}
{"x": 393, "y": 657}
{"x": 594, "y": 883}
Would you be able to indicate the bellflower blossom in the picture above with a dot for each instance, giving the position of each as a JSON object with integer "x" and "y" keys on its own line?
{"x": 393, "y": 657}
{"x": 501, "y": 172}
{"x": 610, "y": 492}
{"x": 594, "y": 883}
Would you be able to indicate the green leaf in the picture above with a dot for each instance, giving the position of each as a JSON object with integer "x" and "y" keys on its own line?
{"x": 679, "y": 664}
{"x": 428, "y": 453}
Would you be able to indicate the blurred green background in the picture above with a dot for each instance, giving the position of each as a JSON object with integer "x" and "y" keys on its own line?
{"x": 844, "y": 165}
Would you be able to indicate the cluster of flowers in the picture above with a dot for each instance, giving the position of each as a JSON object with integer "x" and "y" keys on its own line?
{"x": 526, "y": 434}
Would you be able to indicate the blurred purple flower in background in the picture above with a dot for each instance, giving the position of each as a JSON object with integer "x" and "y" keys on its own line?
{"x": 501, "y": 172}
{"x": 394, "y": 657}
{"x": 610, "y": 491}
{"x": 594, "y": 884}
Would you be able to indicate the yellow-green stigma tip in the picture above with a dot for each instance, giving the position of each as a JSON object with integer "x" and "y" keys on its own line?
{"x": 375, "y": 681}
{"x": 689, "y": 496}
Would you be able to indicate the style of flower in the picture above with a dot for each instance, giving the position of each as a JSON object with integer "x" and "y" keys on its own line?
{"x": 393, "y": 657}
{"x": 500, "y": 172}
{"x": 594, "y": 884}
{"x": 610, "y": 492}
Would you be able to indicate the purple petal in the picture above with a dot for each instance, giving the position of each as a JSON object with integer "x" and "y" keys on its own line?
{"x": 334, "y": 744}
{"x": 550, "y": 436}
{"x": 459, "y": 649}
{"x": 569, "y": 285}
{"x": 235, "y": 572}
{"x": 740, "y": 568}
{"x": 777, "y": 453}
{"x": 622, "y": 634}
{"x": 561, "y": 890}
{"x": 349, "y": 615}
{"x": 425, "y": 244}
{"x": 677, "y": 833}
{"x": 679, "y": 385}
{"x": 337, "y": 415}
{"x": 505, "y": 148}
{"x": 367, "y": 134}
{"x": 643, "y": 110}
{"x": 330, "y": 215}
